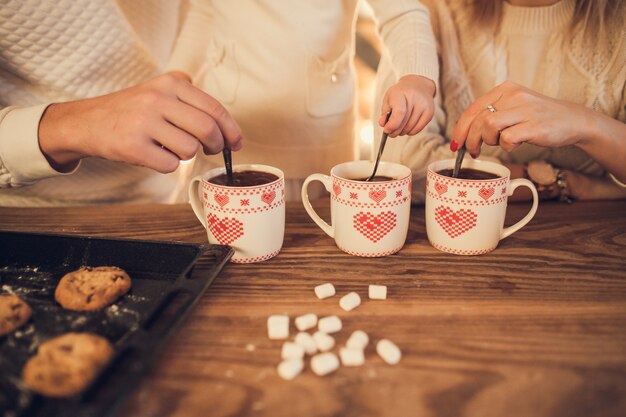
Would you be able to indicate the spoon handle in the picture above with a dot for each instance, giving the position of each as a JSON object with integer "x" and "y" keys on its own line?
{"x": 228, "y": 163}
{"x": 459, "y": 160}
{"x": 381, "y": 148}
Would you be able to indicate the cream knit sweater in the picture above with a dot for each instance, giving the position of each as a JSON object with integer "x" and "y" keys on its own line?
{"x": 531, "y": 49}
{"x": 59, "y": 50}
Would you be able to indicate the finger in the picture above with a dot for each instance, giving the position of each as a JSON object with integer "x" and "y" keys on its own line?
{"x": 461, "y": 129}
{"x": 423, "y": 121}
{"x": 197, "y": 123}
{"x": 385, "y": 108}
{"x": 512, "y": 137}
{"x": 493, "y": 123}
{"x": 399, "y": 121}
{"x": 398, "y": 110}
{"x": 155, "y": 157}
{"x": 412, "y": 121}
{"x": 229, "y": 129}
{"x": 473, "y": 141}
{"x": 178, "y": 141}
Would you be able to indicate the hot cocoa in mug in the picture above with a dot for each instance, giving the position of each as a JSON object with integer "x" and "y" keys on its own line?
{"x": 246, "y": 178}
{"x": 248, "y": 215}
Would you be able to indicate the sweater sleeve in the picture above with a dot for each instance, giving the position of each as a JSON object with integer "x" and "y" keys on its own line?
{"x": 406, "y": 31}
{"x": 21, "y": 159}
{"x": 188, "y": 55}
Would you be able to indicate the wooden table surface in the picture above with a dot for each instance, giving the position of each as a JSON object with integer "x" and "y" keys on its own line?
{"x": 536, "y": 328}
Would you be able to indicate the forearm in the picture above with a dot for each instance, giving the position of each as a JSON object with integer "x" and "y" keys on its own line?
{"x": 407, "y": 33}
{"x": 60, "y": 132}
{"x": 605, "y": 141}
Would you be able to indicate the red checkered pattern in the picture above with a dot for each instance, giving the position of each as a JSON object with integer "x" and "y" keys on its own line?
{"x": 257, "y": 259}
{"x": 441, "y": 188}
{"x": 461, "y": 251}
{"x": 374, "y": 227}
{"x": 486, "y": 192}
{"x": 371, "y": 255}
{"x": 226, "y": 230}
{"x": 455, "y": 223}
{"x": 467, "y": 202}
{"x": 268, "y": 197}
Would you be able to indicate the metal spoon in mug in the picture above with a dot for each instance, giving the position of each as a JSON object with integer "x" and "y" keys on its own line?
{"x": 228, "y": 163}
{"x": 459, "y": 160}
{"x": 383, "y": 140}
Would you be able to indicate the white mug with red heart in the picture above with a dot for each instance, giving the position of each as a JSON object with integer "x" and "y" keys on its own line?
{"x": 367, "y": 218}
{"x": 466, "y": 216}
{"x": 249, "y": 219}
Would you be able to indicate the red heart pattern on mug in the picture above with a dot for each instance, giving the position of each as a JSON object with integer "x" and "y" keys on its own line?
{"x": 485, "y": 192}
{"x": 221, "y": 199}
{"x": 374, "y": 227}
{"x": 268, "y": 197}
{"x": 378, "y": 195}
{"x": 440, "y": 188}
{"x": 226, "y": 230}
{"x": 455, "y": 223}
{"x": 336, "y": 189}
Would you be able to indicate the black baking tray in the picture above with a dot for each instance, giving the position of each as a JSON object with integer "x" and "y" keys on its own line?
{"x": 167, "y": 280}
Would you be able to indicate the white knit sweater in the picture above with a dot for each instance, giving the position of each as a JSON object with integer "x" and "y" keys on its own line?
{"x": 532, "y": 49}
{"x": 285, "y": 71}
{"x": 59, "y": 50}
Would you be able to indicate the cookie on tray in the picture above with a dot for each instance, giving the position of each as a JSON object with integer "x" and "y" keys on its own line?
{"x": 65, "y": 365}
{"x": 92, "y": 288}
{"x": 14, "y": 312}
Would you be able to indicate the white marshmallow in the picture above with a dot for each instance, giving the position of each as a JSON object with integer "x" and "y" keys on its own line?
{"x": 278, "y": 327}
{"x": 351, "y": 356}
{"x": 358, "y": 340}
{"x": 325, "y": 291}
{"x": 323, "y": 341}
{"x": 292, "y": 351}
{"x": 290, "y": 368}
{"x": 389, "y": 351}
{"x": 324, "y": 363}
{"x": 378, "y": 292}
{"x": 305, "y": 322}
{"x": 330, "y": 324}
{"x": 350, "y": 301}
{"x": 307, "y": 342}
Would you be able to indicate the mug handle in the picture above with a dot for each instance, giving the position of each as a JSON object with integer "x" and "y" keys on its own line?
{"x": 521, "y": 182}
{"x": 326, "y": 180}
{"x": 194, "y": 200}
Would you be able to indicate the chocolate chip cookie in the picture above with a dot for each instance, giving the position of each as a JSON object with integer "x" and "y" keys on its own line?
{"x": 14, "y": 312}
{"x": 65, "y": 365}
{"x": 90, "y": 288}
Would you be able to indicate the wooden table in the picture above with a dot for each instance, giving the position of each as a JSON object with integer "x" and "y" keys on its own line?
{"x": 536, "y": 328}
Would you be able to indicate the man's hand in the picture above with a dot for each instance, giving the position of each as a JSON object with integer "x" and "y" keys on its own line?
{"x": 155, "y": 124}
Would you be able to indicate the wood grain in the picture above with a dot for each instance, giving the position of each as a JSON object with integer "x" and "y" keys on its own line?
{"x": 536, "y": 328}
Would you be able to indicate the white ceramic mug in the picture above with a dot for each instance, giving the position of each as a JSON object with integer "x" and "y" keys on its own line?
{"x": 466, "y": 217}
{"x": 249, "y": 219}
{"x": 367, "y": 218}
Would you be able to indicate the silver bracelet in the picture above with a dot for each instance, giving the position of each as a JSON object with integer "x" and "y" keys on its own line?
{"x": 616, "y": 181}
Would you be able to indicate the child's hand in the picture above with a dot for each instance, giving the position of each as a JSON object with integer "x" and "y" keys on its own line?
{"x": 412, "y": 105}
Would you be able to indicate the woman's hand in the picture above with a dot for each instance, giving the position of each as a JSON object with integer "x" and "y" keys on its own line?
{"x": 519, "y": 115}
{"x": 412, "y": 105}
